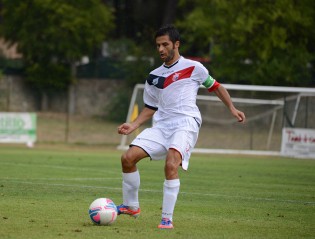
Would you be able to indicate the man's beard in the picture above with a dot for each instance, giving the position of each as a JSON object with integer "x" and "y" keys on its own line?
{"x": 170, "y": 56}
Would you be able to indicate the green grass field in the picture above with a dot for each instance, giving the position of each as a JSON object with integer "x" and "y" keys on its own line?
{"x": 45, "y": 192}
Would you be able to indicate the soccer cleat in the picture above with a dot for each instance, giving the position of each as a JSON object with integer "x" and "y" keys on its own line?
{"x": 123, "y": 209}
{"x": 166, "y": 223}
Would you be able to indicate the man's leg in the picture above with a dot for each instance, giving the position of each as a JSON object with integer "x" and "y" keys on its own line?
{"x": 131, "y": 181}
{"x": 170, "y": 188}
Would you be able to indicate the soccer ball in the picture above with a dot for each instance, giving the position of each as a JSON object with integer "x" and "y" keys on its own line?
{"x": 103, "y": 211}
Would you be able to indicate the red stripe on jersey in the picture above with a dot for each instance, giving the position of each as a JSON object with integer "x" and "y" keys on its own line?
{"x": 179, "y": 75}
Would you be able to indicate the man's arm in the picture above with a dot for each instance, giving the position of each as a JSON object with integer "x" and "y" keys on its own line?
{"x": 145, "y": 114}
{"x": 224, "y": 96}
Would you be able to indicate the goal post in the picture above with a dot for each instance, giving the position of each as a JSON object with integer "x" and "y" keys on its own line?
{"x": 268, "y": 110}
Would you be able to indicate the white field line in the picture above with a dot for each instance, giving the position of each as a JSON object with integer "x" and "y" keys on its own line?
{"x": 160, "y": 191}
{"x": 107, "y": 170}
{"x": 61, "y": 179}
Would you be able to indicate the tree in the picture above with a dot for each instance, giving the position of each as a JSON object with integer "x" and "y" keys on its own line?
{"x": 53, "y": 35}
{"x": 254, "y": 41}
{"x": 139, "y": 19}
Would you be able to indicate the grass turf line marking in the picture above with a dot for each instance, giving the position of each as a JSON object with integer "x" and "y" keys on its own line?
{"x": 62, "y": 179}
{"x": 59, "y": 167}
{"x": 160, "y": 191}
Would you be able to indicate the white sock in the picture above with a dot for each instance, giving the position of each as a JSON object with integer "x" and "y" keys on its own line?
{"x": 130, "y": 188}
{"x": 170, "y": 192}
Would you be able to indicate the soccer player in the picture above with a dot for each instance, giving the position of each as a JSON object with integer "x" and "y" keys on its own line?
{"x": 170, "y": 98}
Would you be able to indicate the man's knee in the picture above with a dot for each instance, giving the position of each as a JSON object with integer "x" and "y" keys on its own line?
{"x": 173, "y": 160}
{"x": 171, "y": 166}
{"x": 127, "y": 161}
{"x": 131, "y": 157}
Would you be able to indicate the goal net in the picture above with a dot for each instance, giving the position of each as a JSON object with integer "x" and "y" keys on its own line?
{"x": 268, "y": 110}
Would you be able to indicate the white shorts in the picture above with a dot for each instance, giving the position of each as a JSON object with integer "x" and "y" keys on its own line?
{"x": 180, "y": 135}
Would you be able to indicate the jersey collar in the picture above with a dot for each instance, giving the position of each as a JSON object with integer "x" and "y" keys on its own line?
{"x": 172, "y": 64}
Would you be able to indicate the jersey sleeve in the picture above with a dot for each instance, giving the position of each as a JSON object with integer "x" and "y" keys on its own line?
{"x": 149, "y": 96}
{"x": 205, "y": 79}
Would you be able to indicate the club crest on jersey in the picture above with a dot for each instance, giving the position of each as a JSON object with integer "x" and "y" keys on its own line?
{"x": 175, "y": 76}
{"x": 155, "y": 81}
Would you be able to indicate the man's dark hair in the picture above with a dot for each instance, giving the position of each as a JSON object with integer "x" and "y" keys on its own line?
{"x": 169, "y": 30}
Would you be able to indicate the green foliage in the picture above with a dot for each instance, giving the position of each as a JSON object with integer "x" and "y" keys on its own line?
{"x": 136, "y": 71}
{"x": 128, "y": 60}
{"x": 117, "y": 110}
{"x": 9, "y": 66}
{"x": 132, "y": 64}
{"x": 54, "y": 32}
{"x": 39, "y": 72}
{"x": 259, "y": 42}
{"x": 135, "y": 61}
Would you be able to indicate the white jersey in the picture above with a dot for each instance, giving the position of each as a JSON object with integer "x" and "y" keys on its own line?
{"x": 172, "y": 90}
